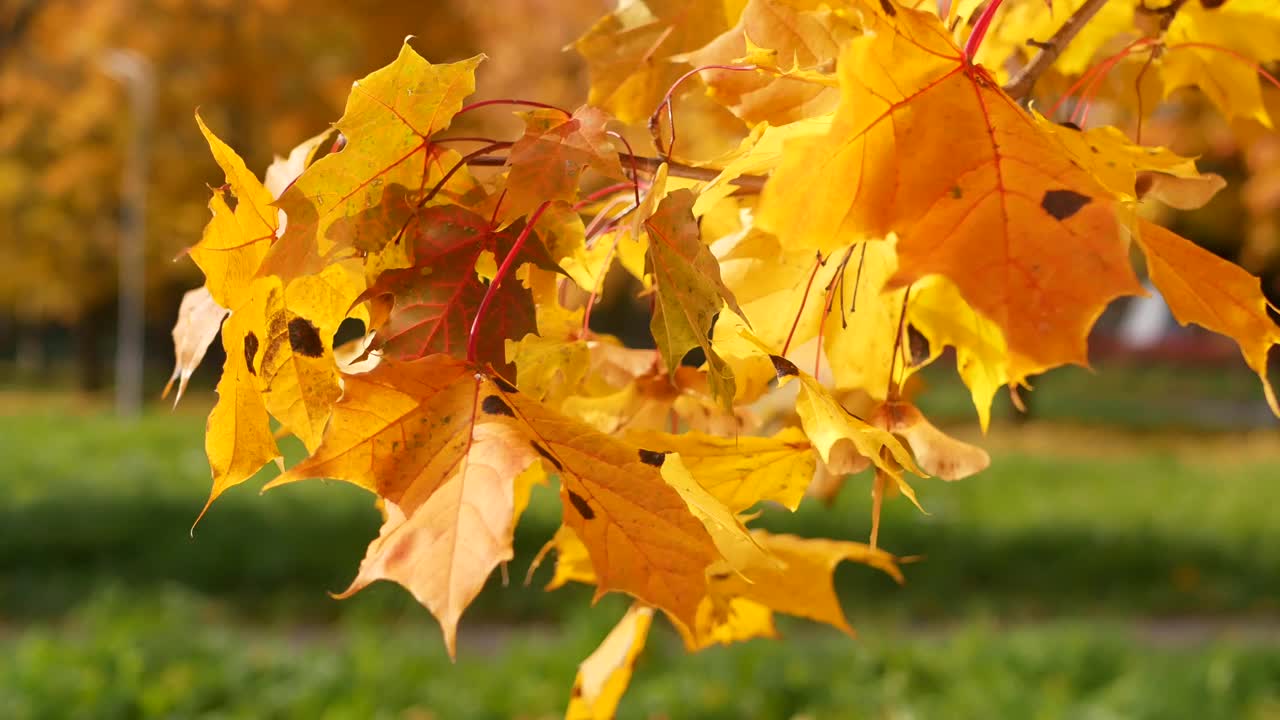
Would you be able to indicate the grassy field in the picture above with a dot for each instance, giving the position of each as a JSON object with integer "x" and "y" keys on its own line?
{"x": 1088, "y": 573}
{"x": 172, "y": 655}
{"x": 1064, "y": 522}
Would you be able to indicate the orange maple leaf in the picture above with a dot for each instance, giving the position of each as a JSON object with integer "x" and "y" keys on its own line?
{"x": 928, "y": 146}
{"x": 442, "y": 443}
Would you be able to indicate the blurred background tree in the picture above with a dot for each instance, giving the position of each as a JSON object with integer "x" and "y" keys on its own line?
{"x": 266, "y": 74}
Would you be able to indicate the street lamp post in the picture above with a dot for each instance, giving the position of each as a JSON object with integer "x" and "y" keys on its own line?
{"x": 135, "y": 73}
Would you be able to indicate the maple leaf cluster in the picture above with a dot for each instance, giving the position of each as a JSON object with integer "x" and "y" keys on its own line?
{"x": 881, "y": 198}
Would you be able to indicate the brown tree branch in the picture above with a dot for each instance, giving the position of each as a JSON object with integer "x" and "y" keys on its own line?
{"x": 747, "y": 184}
{"x": 13, "y": 28}
{"x": 1020, "y": 86}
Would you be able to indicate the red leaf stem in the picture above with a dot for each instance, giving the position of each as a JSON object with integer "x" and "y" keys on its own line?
{"x": 503, "y": 271}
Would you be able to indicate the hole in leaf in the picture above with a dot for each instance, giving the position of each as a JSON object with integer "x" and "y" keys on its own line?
{"x": 652, "y": 457}
{"x": 494, "y": 405}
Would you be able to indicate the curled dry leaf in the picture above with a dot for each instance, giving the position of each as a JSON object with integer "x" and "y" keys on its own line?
{"x": 1179, "y": 192}
{"x": 803, "y": 36}
{"x": 199, "y": 318}
{"x": 936, "y": 452}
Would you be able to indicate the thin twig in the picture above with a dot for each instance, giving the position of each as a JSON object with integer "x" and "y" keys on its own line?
{"x": 473, "y": 338}
{"x": 747, "y": 184}
{"x": 1020, "y": 86}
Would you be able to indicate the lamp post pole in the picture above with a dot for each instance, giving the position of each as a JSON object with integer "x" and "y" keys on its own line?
{"x": 135, "y": 73}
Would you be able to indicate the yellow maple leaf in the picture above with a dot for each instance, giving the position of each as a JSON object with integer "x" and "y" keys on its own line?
{"x": 627, "y": 51}
{"x": 295, "y": 324}
{"x": 235, "y": 241}
{"x": 861, "y": 320}
{"x": 1134, "y": 172}
{"x": 758, "y": 153}
{"x": 796, "y": 37}
{"x": 573, "y": 562}
{"x": 938, "y": 313}
{"x": 742, "y": 471}
{"x": 1204, "y": 289}
{"x": 1216, "y": 47}
{"x": 1219, "y": 50}
{"x": 603, "y": 677}
{"x": 238, "y": 440}
{"x": 728, "y": 533}
{"x": 839, "y": 436}
{"x": 388, "y": 163}
{"x": 799, "y": 583}
{"x": 724, "y": 621}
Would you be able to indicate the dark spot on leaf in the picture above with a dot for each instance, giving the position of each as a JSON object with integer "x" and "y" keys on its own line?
{"x": 502, "y": 383}
{"x": 721, "y": 576}
{"x": 652, "y": 457}
{"x": 250, "y": 351}
{"x": 1062, "y": 204}
{"x": 956, "y": 192}
{"x": 889, "y": 9}
{"x": 577, "y": 690}
{"x": 493, "y": 405}
{"x": 304, "y": 338}
{"x": 580, "y": 504}
{"x": 917, "y": 345}
{"x": 1212, "y": 4}
{"x": 548, "y": 456}
{"x": 783, "y": 366}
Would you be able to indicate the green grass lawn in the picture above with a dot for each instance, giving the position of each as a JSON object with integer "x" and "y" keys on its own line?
{"x": 1158, "y": 529}
{"x": 1045, "y": 589}
{"x": 172, "y": 655}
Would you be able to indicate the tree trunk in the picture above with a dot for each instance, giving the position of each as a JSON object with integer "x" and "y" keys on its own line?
{"x": 29, "y": 360}
{"x": 89, "y": 357}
